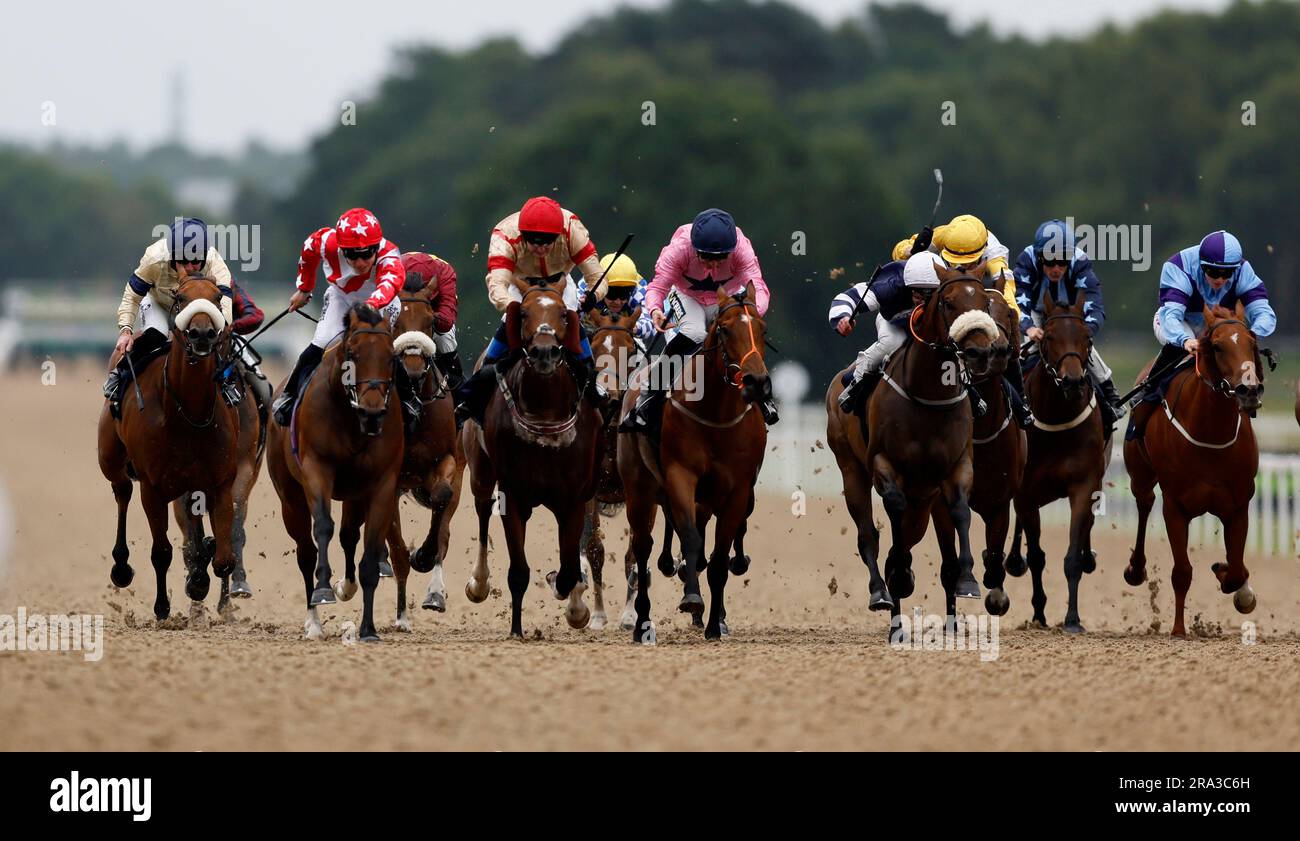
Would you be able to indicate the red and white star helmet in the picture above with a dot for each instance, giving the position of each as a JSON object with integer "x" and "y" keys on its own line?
{"x": 358, "y": 228}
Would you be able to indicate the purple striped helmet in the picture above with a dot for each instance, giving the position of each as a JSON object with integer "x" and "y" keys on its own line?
{"x": 1220, "y": 249}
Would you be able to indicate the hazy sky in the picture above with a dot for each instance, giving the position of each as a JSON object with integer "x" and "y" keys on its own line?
{"x": 279, "y": 69}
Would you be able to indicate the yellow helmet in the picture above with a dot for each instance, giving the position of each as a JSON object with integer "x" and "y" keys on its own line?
{"x": 903, "y": 249}
{"x": 622, "y": 273}
{"x": 964, "y": 239}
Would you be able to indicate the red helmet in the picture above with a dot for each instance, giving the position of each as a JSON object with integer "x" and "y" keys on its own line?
{"x": 542, "y": 215}
{"x": 358, "y": 228}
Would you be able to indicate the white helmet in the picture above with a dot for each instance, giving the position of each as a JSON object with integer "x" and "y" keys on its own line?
{"x": 919, "y": 272}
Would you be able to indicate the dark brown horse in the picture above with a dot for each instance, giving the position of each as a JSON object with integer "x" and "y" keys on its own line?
{"x": 433, "y": 463}
{"x": 999, "y": 462}
{"x": 345, "y": 443}
{"x": 914, "y": 447}
{"x": 706, "y": 464}
{"x": 1068, "y": 454}
{"x": 1200, "y": 448}
{"x": 617, "y": 354}
{"x": 183, "y": 440}
{"x": 538, "y": 444}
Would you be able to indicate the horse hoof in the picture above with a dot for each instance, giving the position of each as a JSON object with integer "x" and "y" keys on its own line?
{"x": 723, "y": 629}
{"x": 1089, "y": 562}
{"x": 370, "y": 636}
{"x": 161, "y": 612}
{"x": 312, "y": 630}
{"x": 385, "y": 571}
{"x": 1134, "y": 576}
{"x": 435, "y": 601}
{"x": 628, "y": 620}
{"x": 905, "y": 588}
{"x": 122, "y": 575}
{"x": 197, "y": 586}
{"x": 419, "y": 562}
{"x": 996, "y": 602}
{"x": 880, "y": 600}
{"x": 645, "y": 634}
{"x": 1244, "y": 599}
{"x": 667, "y": 566}
{"x": 475, "y": 591}
{"x": 711, "y": 634}
{"x": 239, "y": 589}
{"x": 578, "y": 619}
{"x": 697, "y": 621}
{"x": 1015, "y": 564}
{"x": 739, "y": 565}
{"x": 968, "y": 587}
{"x": 345, "y": 589}
{"x": 403, "y": 624}
{"x": 692, "y": 603}
{"x": 598, "y": 621}
{"x": 1075, "y": 627}
{"x": 322, "y": 595}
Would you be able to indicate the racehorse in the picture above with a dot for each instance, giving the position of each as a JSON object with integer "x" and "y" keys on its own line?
{"x": 1068, "y": 454}
{"x": 539, "y": 442}
{"x": 178, "y": 437}
{"x": 1201, "y": 450}
{"x": 705, "y": 464}
{"x": 345, "y": 442}
{"x": 999, "y": 462}
{"x": 914, "y": 445}
{"x": 433, "y": 462}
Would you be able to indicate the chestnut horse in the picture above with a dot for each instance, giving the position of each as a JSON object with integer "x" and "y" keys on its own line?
{"x": 915, "y": 445}
{"x": 617, "y": 352}
{"x": 1068, "y": 454}
{"x": 999, "y": 462}
{"x": 1201, "y": 450}
{"x": 538, "y": 444}
{"x": 183, "y": 440}
{"x": 345, "y": 443}
{"x": 433, "y": 462}
{"x": 705, "y": 464}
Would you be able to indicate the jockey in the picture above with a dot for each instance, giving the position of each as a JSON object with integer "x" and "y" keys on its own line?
{"x": 966, "y": 241}
{"x": 1215, "y": 273}
{"x": 1055, "y": 265}
{"x": 150, "y": 291}
{"x": 360, "y": 266}
{"x": 424, "y": 269}
{"x": 703, "y": 256}
{"x": 625, "y": 295}
{"x": 540, "y": 241}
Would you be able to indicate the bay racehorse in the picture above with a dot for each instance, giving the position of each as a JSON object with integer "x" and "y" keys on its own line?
{"x": 177, "y": 437}
{"x": 617, "y": 353}
{"x": 999, "y": 463}
{"x": 704, "y": 464}
{"x": 345, "y": 443}
{"x": 433, "y": 463}
{"x": 1068, "y": 453}
{"x": 914, "y": 445}
{"x": 1200, "y": 449}
{"x": 538, "y": 444}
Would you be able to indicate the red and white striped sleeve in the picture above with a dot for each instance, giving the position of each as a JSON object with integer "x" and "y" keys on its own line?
{"x": 309, "y": 260}
{"x": 390, "y": 276}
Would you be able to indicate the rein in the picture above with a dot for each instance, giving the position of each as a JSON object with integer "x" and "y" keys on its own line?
{"x": 541, "y": 428}
{"x": 176, "y": 399}
{"x": 738, "y": 380}
{"x": 1052, "y": 368}
{"x": 1222, "y": 388}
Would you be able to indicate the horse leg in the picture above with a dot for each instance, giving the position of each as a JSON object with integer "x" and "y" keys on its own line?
{"x": 946, "y": 536}
{"x": 349, "y": 536}
{"x": 237, "y": 585}
{"x": 1036, "y": 560}
{"x": 121, "y": 573}
{"x": 196, "y": 550}
{"x": 681, "y": 497}
{"x": 296, "y": 515}
{"x": 701, "y": 528}
{"x": 641, "y": 506}
{"x": 739, "y": 564}
{"x": 1233, "y": 575}
{"x": 1015, "y": 563}
{"x": 318, "y": 489}
{"x": 996, "y": 602}
{"x": 956, "y": 494}
{"x": 857, "y": 494}
{"x": 898, "y": 573}
{"x": 155, "y": 508}
{"x": 1176, "y": 523}
{"x": 401, "y": 558}
{"x": 476, "y": 588}
{"x": 378, "y": 518}
{"x": 1078, "y": 558}
{"x": 568, "y": 582}
{"x": 718, "y": 570}
{"x": 1142, "y": 481}
{"x": 594, "y": 549}
{"x": 221, "y": 516}
{"x": 515, "y": 523}
{"x": 667, "y": 563}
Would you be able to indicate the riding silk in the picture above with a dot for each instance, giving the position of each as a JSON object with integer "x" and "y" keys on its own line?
{"x": 509, "y": 258}
{"x": 388, "y": 273}
{"x": 1184, "y": 294}
{"x": 155, "y": 275}
{"x": 680, "y": 268}
{"x": 888, "y": 296}
{"x": 1079, "y": 279}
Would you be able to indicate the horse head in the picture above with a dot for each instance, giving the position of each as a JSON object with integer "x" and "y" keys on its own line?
{"x": 196, "y": 315}
{"x": 614, "y": 345}
{"x": 414, "y": 328}
{"x": 543, "y": 322}
{"x": 1007, "y": 344}
{"x": 739, "y": 334}
{"x": 1227, "y": 357}
{"x": 956, "y": 317}
{"x": 1066, "y": 345}
{"x": 368, "y": 366}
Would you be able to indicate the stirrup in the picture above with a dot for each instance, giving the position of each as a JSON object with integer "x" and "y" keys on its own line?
{"x": 282, "y": 409}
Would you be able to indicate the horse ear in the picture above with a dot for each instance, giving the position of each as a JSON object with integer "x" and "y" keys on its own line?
{"x": 723, "y": 297}
{"x": 182, "y": 274}
{"x": 1210, "y": 316}
{"x": 1241, "y": 311}
{"x": 1049, "y": 303}
{"x": 560, "y": 284}
{"x": 978, "y": 269}
{"x": 945, "y": 274}
{"x": 520, "y": 283}
{"x": 749, "y": 291}
{"x": 635, "y": 315}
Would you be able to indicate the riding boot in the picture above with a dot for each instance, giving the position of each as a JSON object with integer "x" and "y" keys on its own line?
{"x": 148, "y": 345}
{"x": 978, "y": 407}
{"x": 474, "y": 393}
{"x": 1024, "y": 417}
{"x": 259, "y": 385}
{"x": 584, "y": 373}
{"x": 449, "y": 364}
{"x": 648, "y": 409}
{"x": 768, "y": 408}
{"x": 856, "y": 394}
{"x": 1109, "y": 403}
{"x": 307, "y": 362}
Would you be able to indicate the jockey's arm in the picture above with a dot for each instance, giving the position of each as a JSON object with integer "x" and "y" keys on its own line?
{"x": 1024, "y": 272}
{"x": 1094, "y": 309}
{"x": 446, "y": 303}
{"x": 1260, "y": 316}
{"x": 248, "y": 316}
{"x": 846, "y": 303}
{"x": 750, "y": 271}
{"x": 501, "y": 270}
{"x": 308, "y": 264}
{"x": 995, "y": 256}
{"x": 583, "y": 253}
{"x": 390, "y": 276}
{"x": 129, "y": 309}
{"x": 1175, "y": 293}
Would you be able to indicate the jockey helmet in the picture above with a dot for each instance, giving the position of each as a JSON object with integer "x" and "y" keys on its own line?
{"x": 622, "y": 272}
{"x": 919, "y": 272}
{"x": 1221, "y": 249}
{"x": 714, "y": 232}
{"x": 903, "y": 249}
{"x": 1054, "y": 241}
{"x": 542, "y": 215}
{"x": 358, "y": 228}
{"x": 964, "y": 240}
{"x": 188, "y": 240}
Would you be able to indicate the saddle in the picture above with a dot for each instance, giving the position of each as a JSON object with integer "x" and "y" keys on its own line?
{"x": 150, "y": 345}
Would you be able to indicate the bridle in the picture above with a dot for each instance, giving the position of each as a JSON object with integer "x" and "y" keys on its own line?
{"x": 1224, "y": 387}
{"x": 417, "y": 380}
{"x": 357, "y": 387}
{"x": 732, "y": 372}
{"x": 192, "y": 358}
{"x": 949, "y": 345}
{"x": 1053, "y": 367}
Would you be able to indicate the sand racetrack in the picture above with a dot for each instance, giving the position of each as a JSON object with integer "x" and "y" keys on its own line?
{"x": 806, "y": 666}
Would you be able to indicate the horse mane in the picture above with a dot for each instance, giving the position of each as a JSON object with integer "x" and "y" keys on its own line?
{"x": 415, "y": 282}
{"x": 366, "y": 314}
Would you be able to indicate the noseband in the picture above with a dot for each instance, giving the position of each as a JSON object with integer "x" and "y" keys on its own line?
{"x": 355, "y": 389}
